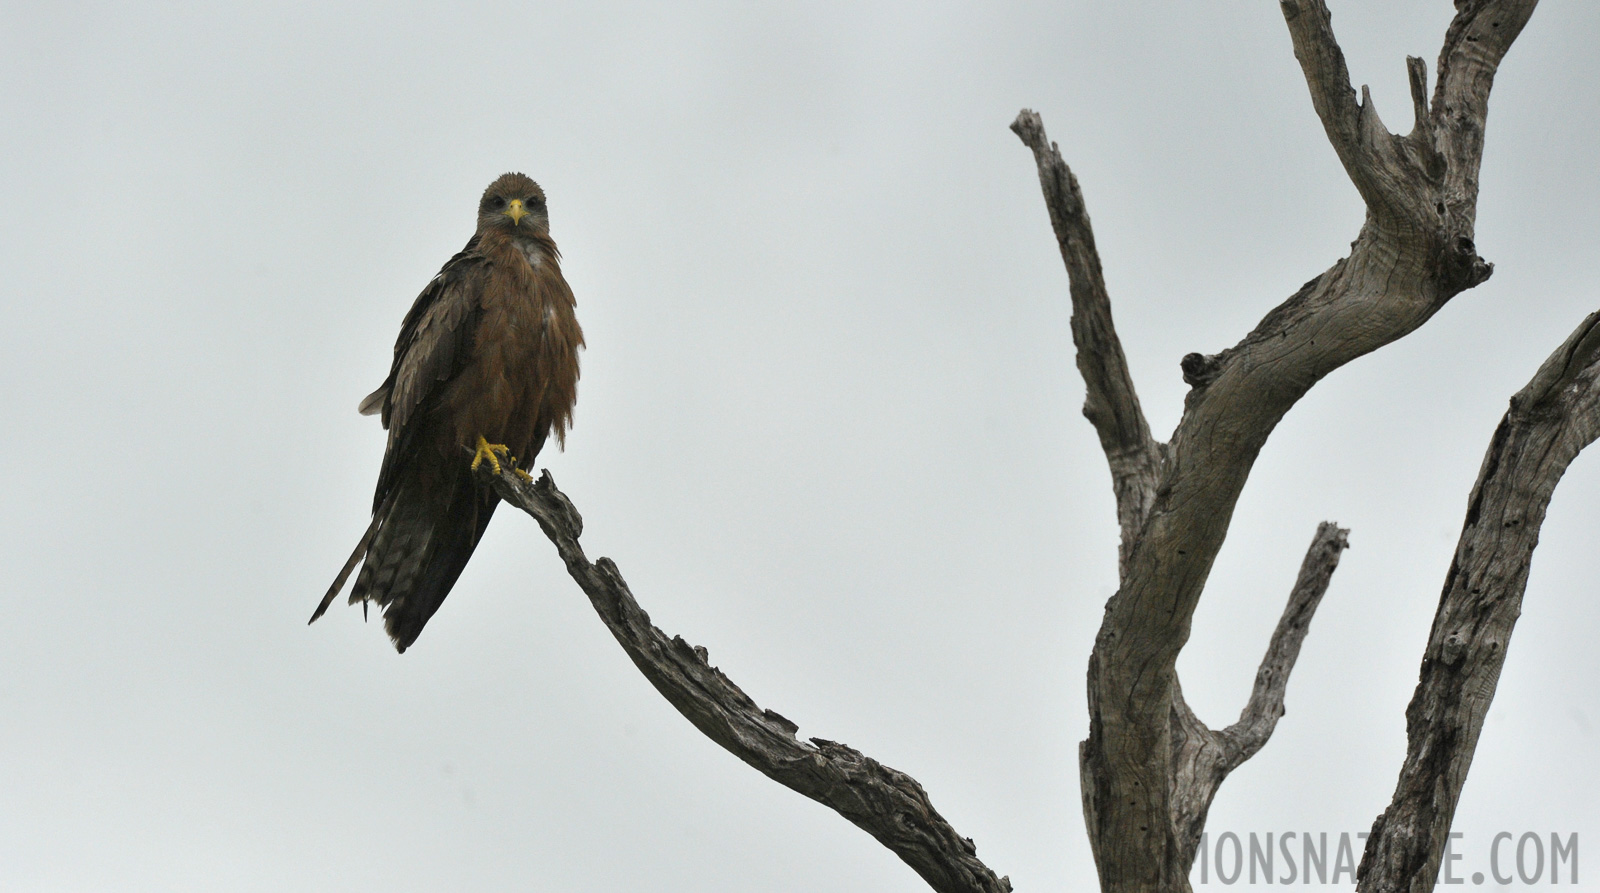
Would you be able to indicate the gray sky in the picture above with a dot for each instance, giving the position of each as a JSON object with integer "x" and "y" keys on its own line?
{"x": 828, "y": 428}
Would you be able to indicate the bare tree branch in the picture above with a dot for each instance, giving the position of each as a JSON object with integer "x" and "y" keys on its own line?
{"x": 1354, "y": 129}
{"x": 1429, "y": 179}
{"x": 884, "y": 802}
{"x": 1203, "y": 758}
{"x": 1393, "y": 174}
{"x": 1478, "y": 38}
{"x": 1413, "y": 254}
{"x": 1386, "y": 288}
{"x": 1550, "y": 421}
{"x": 1260, "y": 715}
{"x": 1112, "y": 403}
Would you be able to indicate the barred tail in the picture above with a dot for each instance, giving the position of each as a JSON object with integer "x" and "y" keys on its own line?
{"x": 420, "y": 539}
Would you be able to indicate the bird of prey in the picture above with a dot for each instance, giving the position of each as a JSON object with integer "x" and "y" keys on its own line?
{"x": 485, "y": 369}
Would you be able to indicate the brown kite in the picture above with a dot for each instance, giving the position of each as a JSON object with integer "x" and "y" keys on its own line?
{"x": 485, "y": 368}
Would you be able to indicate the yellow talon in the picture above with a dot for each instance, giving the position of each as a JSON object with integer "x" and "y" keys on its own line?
{"x": 492, "y": 452}
{"x": 526, "y": 477}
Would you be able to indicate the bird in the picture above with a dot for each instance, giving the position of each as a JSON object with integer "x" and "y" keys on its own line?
{"x": 485, "y": 370}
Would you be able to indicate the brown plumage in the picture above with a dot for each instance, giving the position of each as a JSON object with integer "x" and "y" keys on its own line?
{"x": 489, "y": 352}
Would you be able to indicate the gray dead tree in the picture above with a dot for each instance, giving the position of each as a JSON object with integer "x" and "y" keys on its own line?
{"x": 1150, "y": 768}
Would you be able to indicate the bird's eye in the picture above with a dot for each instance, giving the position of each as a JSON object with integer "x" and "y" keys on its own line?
{"x": 497, "y": 202}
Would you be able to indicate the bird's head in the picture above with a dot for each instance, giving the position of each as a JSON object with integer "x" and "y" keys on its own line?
{"x": 513, "y": 204}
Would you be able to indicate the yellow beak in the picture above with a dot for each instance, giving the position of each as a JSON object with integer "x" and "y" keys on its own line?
{"x": 516, "y": 212}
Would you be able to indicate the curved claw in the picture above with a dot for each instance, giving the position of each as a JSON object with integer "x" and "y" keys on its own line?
{"x": 494, "y": 453}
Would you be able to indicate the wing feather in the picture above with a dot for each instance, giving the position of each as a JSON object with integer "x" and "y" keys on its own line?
{"x": 373, "y": 403}
{"x": 436, "y": 341}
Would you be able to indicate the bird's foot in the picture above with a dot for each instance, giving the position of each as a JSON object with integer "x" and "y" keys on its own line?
{"x": 495, "y": 453}
{"x": 526, "y": 477}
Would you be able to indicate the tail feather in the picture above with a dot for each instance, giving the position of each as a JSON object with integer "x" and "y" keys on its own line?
{"x": 398, "y": 550}
{"x": 350, "y": 565}
{"x": 416, "y": 548}
{"x": 453, "y": 543}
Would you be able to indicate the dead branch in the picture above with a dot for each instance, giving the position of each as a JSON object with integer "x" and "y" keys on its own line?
{"x": 1112, "y": 403}
{"x": 1260, "y": 715}
{"x": 1478, "y": 38}
{"x": 884, "y": 802}
{"x": 1550, "y": 421}
{"x": 1414, "y": 253}
{"x": 1204, "y": 758}
{"x": 1363, "y": 144}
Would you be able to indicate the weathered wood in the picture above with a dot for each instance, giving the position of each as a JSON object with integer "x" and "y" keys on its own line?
{"x": 1549, "y": 422}
{"x": 886, "y": 803}
{"x": 1203, "y": 758}
{"x": 1111, "y": 403}
{"x": 1414, "y": 252}
{"x": 1477, "y": 40}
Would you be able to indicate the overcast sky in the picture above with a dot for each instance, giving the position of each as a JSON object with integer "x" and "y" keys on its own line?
{"x": 828, "y": 427}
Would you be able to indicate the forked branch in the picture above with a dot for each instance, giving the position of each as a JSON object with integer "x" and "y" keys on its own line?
{"x": 884, "y": 802}
{"x": 1357, "y": 135}
{"x": 1435, "y": 184}
{"x": 1414, "y": 253}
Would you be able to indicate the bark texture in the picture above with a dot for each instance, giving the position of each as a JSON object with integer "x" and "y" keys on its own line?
{"x": 886, "y": 803}
{"x": 1415, "y": 251}
{"x": 1549, "y": 422}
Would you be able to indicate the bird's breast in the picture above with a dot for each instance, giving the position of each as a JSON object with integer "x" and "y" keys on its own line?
{"x": 522, "y": 381}
{"x": 532, "y": 252}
